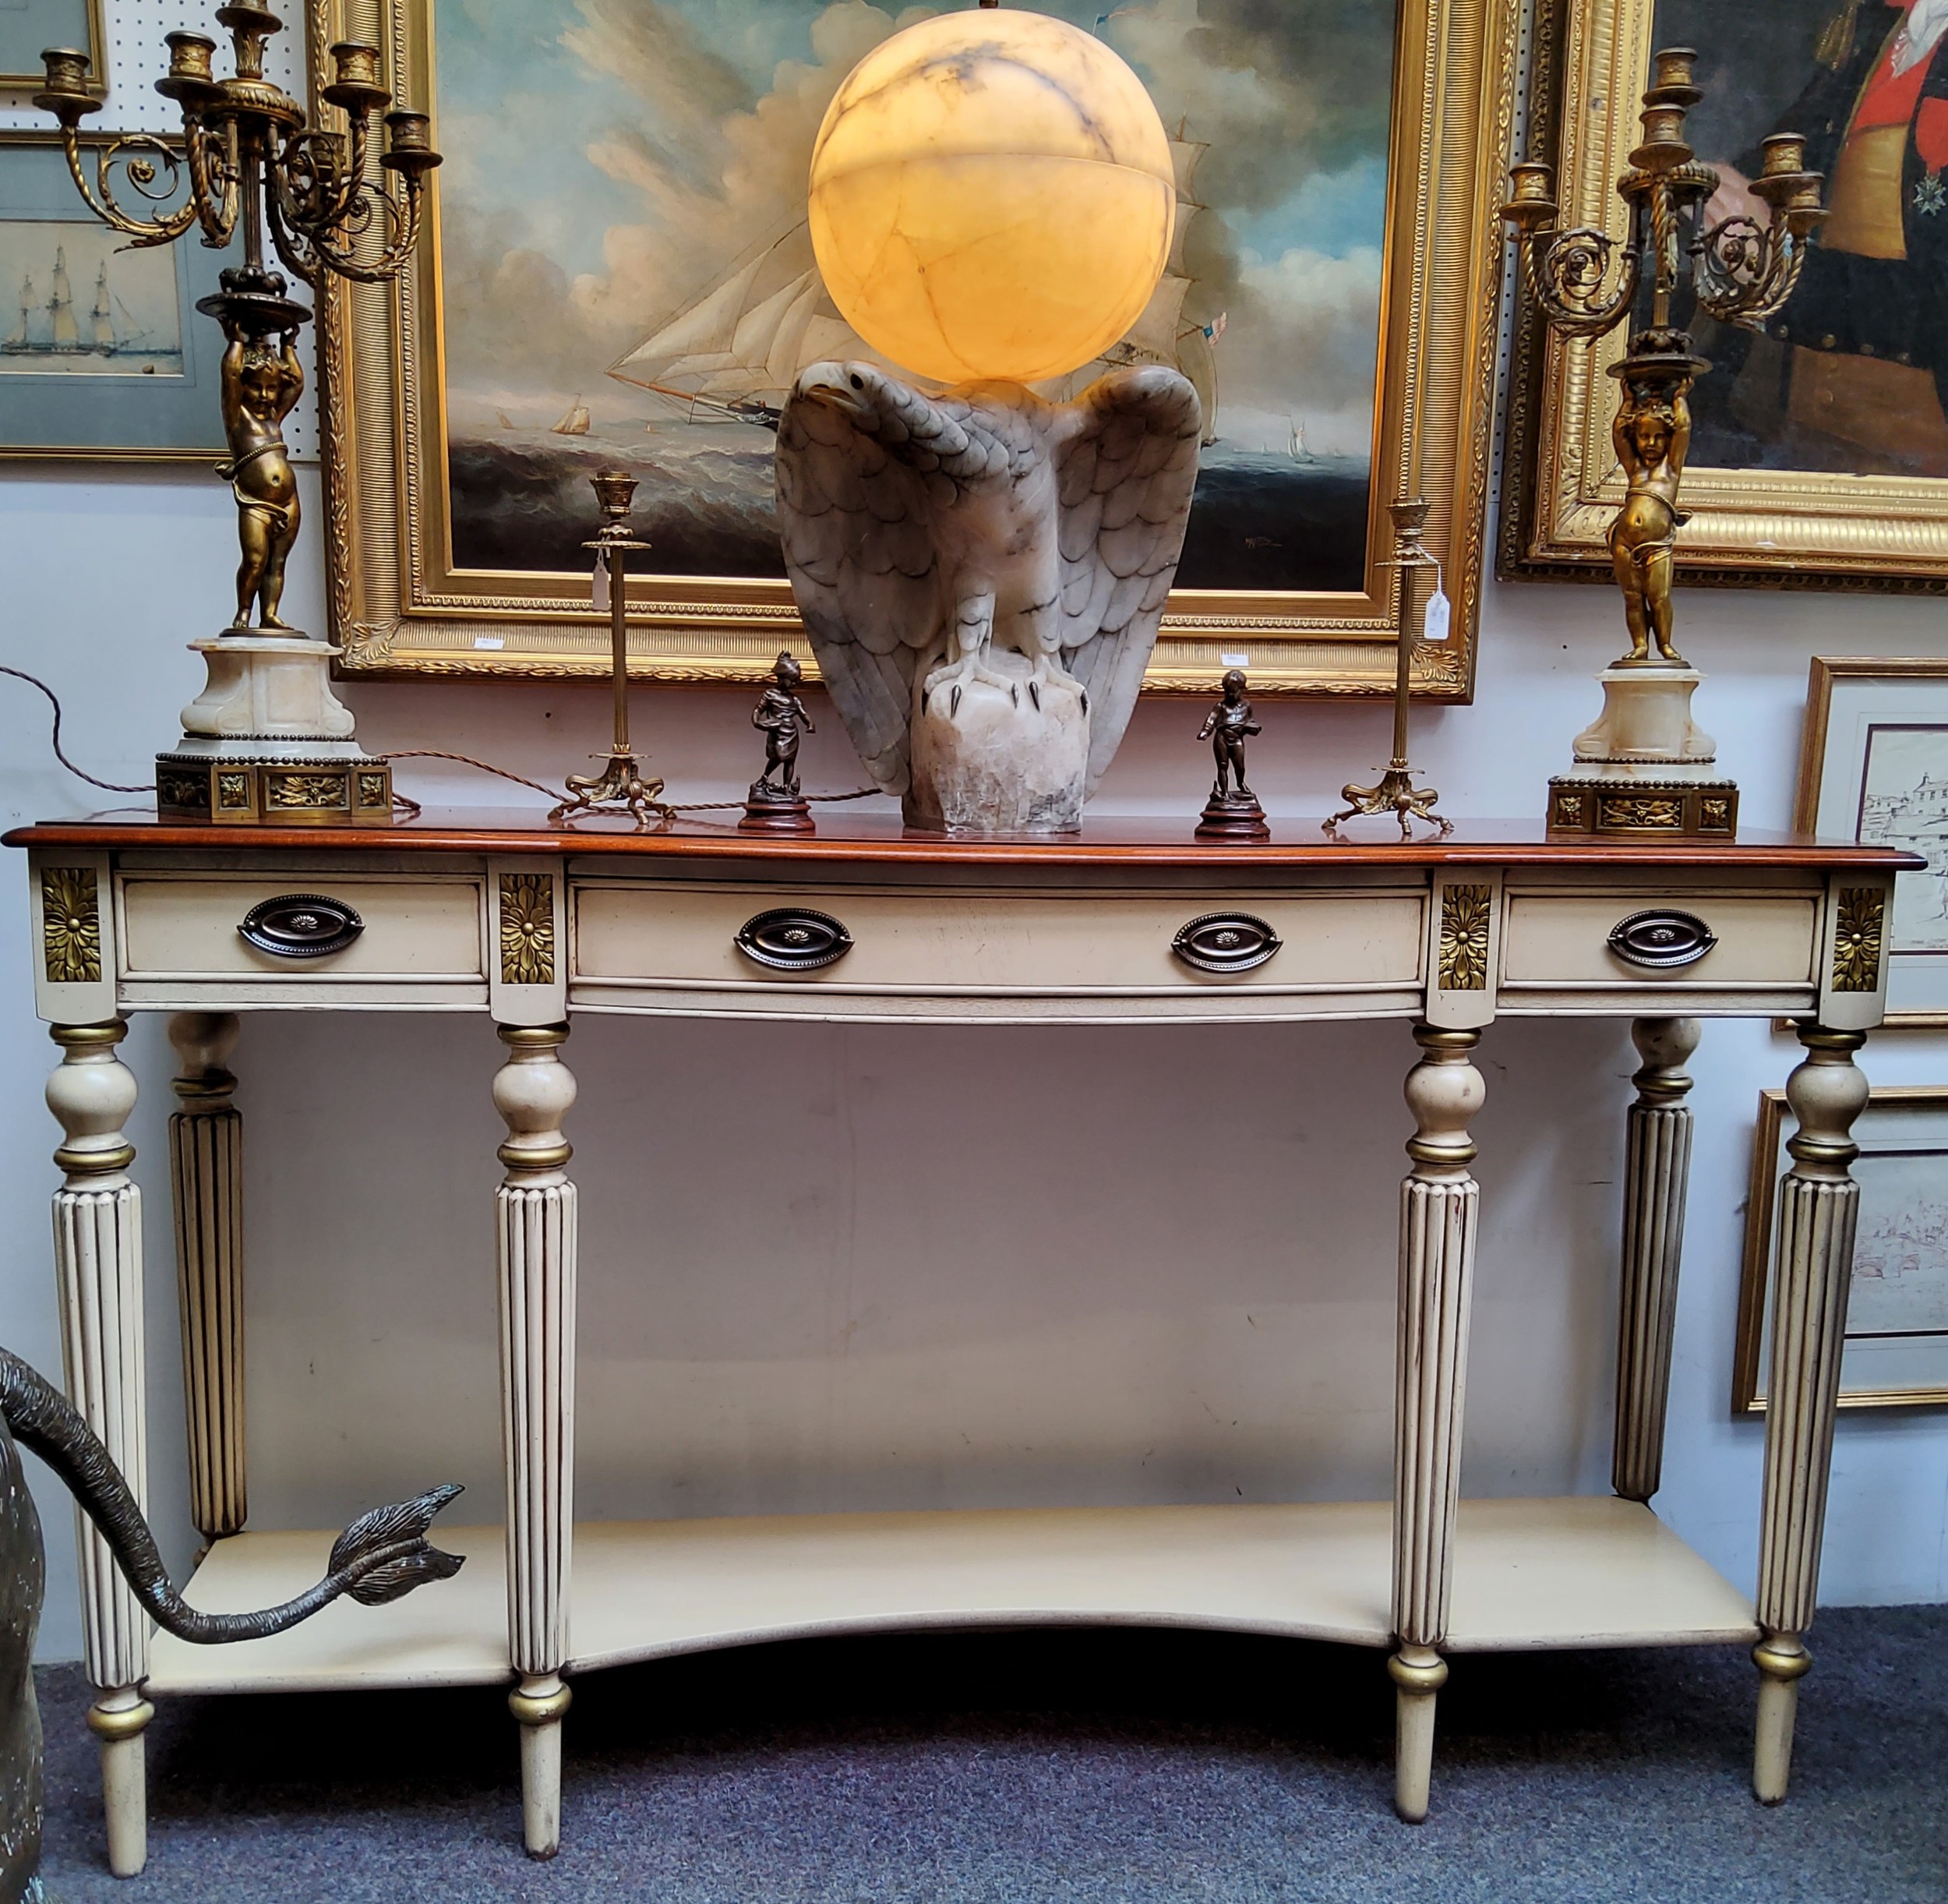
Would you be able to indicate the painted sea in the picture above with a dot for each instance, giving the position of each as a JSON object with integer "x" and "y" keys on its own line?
{"x": 1260, "y": 519}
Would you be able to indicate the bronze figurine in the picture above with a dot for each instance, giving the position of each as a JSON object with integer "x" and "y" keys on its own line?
{"x": 1233, "y": 811}
{"x": 261, "y": 383}
{"x": 1651, "y": 434}
{"x": 776, "y": 804}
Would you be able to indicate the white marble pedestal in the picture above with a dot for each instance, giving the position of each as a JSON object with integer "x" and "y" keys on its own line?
{"x": 1644, "y": 766}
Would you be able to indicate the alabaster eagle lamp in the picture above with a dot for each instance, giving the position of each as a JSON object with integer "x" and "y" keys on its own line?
{"x": 1645, "y": 767}
{"x": 982, "y": 571}
{"x": 266, "y": 740}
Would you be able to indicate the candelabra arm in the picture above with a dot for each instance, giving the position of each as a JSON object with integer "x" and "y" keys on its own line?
{"x": 1564, "y": 271}
{"x": 404, "y": 219}
{"x": 139, "y": 153}
{"x": 215, "y": 193}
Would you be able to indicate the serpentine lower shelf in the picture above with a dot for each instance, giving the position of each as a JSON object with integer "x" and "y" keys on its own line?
{"x": 1586, "y": 1570}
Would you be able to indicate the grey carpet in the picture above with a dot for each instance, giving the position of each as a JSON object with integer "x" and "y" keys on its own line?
{"x": 1096, "y": 1767}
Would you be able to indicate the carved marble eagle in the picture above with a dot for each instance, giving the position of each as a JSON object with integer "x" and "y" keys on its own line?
{"x": 922, "y": 533}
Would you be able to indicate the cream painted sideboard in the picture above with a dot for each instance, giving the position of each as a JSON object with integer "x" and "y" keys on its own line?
{"x": 534, "y": 928}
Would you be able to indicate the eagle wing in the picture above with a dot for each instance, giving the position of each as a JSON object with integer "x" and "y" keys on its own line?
{"x": 859, "y": 546}
{"x": 1126, "y": 465}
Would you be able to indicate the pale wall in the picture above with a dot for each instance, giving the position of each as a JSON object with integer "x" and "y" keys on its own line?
{"x": 825, "y": 1267}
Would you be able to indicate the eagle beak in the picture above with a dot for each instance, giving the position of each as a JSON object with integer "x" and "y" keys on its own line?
{"x": 840, "y": 387}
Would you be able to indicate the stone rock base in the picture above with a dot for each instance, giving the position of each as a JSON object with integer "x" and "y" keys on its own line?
{"x": 997, "y": 764}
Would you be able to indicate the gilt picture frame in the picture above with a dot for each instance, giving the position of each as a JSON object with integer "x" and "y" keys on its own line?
{"x": 1819, "y": 455}
{"x": 402, "y": 382}
{"x": 28, "y": 27}
{"x": 1873, "y": 766}
{"x": 1894, "y": 1352}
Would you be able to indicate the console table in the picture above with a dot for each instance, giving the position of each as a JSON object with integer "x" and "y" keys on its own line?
{"x": 533, "y": 926}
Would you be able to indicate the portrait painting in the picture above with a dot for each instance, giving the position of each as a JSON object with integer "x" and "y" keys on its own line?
{"x": 642, "y": 291}
{"x": 1819, "y": 435}
{"x": 618, "y": 272}
{"x": 1852, "y": 375}
{"x": 1895, "y": 1349}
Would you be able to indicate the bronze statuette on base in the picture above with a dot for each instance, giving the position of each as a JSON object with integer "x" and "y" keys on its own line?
{"x": 776, "y": 804}
{"x": 1233, "y": 812}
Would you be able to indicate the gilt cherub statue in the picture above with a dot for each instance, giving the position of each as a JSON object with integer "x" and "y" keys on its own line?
{"x": 261, "y": 383}
{"x": 1233, "y": 811}
{"x": 775, "y": 805}
{"x": 1651, "y": 435}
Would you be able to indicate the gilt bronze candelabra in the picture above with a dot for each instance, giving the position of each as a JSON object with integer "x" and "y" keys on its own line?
{"x": 621, "y": 786}
{"x": 1644, "y": 767}
{"x": 1396, "y": 793}
{"x": 251, "y": 165}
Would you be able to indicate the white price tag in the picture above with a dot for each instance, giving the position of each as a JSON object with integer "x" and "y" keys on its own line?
{"x": 601, "y": 586}
{"x": 1235, "y": 661}
{"x": 489, "y": 641}
{"x": 1434, "y": 627}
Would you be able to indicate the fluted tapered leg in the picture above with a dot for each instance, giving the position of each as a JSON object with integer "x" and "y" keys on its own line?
{"x": 1817, "y": 1203}
{"x": 1656, "y": 1169}
{"x": 1438, "y": 1206}
{"x": 205, "y": 1156}
{"x": 534, "y": 1091}
{"x": 97, "y": 1250}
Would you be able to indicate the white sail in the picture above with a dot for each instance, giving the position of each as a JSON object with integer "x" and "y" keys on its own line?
{"x": 575, "y": 422}
{"x": 66, "y": 335}
{"x": 100, "y": 317}
{"x": 19, "y": 341}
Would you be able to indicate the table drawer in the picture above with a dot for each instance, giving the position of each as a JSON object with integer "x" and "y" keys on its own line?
{"x": 1565, "y": 939}
{"x": 972, "y": 943}
{"x": 408, "y": 929}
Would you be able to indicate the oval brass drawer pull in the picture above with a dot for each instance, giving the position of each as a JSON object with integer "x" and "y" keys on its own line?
{"x": 1225, "y": 942}
{"x": 793, "y": 938}
{"x": 300, "y": 925}
{"x": 1661, "y": 940}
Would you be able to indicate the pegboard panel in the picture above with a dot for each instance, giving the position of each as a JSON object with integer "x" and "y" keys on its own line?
{"x": 136, "y": 57}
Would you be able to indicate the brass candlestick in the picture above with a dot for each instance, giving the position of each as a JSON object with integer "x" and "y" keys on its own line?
{"x": 251, "y": 161}
{"x": 1396, "y": 793}
{"x": 1647, "y": 764}
{"x": 621, "y": 786}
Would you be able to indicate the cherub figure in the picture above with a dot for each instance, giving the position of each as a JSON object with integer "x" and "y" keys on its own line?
{"x": 261, "y": 382}
{"x": 1227, "y": 727}
{"x": 1651, "y": 434}
{"x": 779, "y": 716}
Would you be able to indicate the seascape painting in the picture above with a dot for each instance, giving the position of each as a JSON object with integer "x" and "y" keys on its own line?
{"x": 78, "y": 303}
{"x": 1904, "y": 803}
{"x": 626, "y": 275}
{"x": 1851, "y": 377}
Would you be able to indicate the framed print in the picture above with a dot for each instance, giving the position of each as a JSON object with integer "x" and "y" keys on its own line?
{"x": 102, "y": 352}
{"x": 618, "y": 272}
{"x": 1819, "y": 445}
{"x": 28, "y": 27}
{"x": 1873, "y": 766}
{"x": 1895, "y": 1352}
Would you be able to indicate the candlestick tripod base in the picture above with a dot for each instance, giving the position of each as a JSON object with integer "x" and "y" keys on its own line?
{"x": 620, "y": 787}
{"x": 1397, "y": 795}
{"x": 268, "y": 743}
{"x": 1237, "y": 818}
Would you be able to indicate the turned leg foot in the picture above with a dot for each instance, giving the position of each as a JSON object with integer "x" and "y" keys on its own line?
{"x": 1418, "y": 1673}
{"x": 118, "y": 1718}
{"x": 538, "y": 1704}
{"x": 1783, "y": 1662}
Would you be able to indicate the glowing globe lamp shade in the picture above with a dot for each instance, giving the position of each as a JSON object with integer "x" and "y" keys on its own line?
{"x": 992, "y": 195}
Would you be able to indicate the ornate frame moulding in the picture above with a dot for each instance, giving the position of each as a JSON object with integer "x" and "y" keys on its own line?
{"x": 1560, "y": 486}
{"x": 400, "y": 607}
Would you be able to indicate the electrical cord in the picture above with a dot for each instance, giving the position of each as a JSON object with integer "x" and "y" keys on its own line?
{"x": 411, "y": 806}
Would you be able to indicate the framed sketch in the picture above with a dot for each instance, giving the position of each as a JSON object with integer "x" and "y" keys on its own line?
{"x": 28, "y": 27}
{"x": 1895, "y": 1352}
{"x": 102, "y": 353}
{"x": 617, "y": 270}
{"x": 1873, "y": 766}
{"x": 1819, "y": 451}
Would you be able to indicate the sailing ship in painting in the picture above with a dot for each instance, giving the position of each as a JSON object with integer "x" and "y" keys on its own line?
{"x": 50, "y": 335}
{"x": 732, "y": 353}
